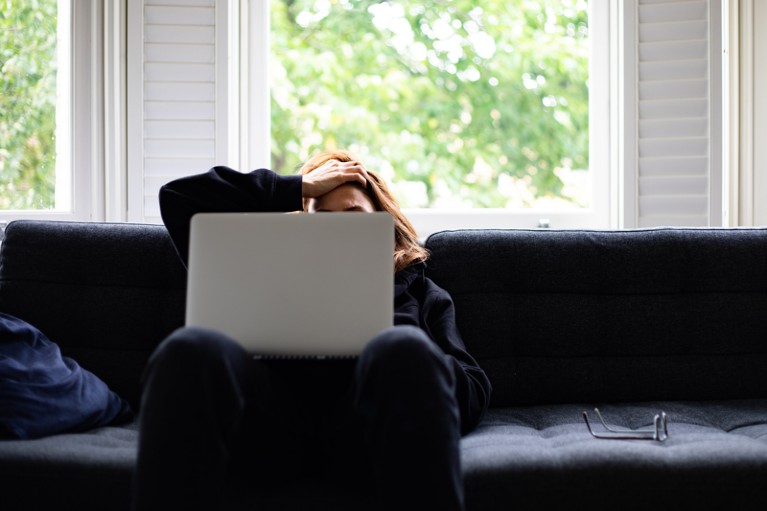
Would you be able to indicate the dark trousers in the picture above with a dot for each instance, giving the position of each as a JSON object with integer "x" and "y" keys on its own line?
{"x": 211, "y": 414}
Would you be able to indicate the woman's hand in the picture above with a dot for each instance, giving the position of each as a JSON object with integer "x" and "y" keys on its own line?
{"x": 330, "y": 176}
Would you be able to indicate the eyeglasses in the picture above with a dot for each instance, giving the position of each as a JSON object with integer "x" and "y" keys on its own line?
{"x": 658, "y": 431}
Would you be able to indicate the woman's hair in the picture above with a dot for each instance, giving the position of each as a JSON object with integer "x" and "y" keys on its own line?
{"x": 407, "y": 250}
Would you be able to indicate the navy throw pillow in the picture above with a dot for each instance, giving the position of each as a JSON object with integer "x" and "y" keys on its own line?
{"x": 43, "y": 393}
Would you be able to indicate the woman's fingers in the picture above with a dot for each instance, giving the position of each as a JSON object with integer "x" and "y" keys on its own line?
{"x": 358, "y": 172}
{"x": 349, "y": 171}
{"x": 331, "y": 175}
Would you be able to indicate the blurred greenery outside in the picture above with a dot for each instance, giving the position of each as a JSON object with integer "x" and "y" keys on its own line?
{"x": 458, "y": 103}
{"x": 27, "y": 104}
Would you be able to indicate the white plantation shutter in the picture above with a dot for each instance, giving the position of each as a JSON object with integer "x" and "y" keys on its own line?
{"x": 176, "y": 95}
{"x": 678, "y": 167}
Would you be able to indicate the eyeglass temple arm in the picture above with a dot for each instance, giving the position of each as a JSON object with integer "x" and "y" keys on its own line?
{"x": 659, "y": 432}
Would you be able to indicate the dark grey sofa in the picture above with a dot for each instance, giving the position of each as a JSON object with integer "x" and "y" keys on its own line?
{"x": 633, "y": 322}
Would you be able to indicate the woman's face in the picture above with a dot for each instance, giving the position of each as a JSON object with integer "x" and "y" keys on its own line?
{"x": 343, "y": 198}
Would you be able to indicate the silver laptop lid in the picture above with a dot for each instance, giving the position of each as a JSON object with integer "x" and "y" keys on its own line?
{"x": 292, "y": 284}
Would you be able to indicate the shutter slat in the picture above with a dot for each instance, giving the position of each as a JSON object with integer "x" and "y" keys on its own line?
{"x": 177, "y": 34}
{"x": 180, "y": 53}
{"x": 673, "y": 109}
{"x": 665, "y": 147}
{"x": 673, "y": 89}
{"x": 170, "y": 72}
{"x": 676, "y": 70}
{"x": 650, "y": 128}
{"x": 673, "y": 50}
{"x": 673, "y": 166}
{"x": 194, "y": 3}
{"x": 175, "y": 167}
{"x": 169, "y": 148}
{"x": 671, "y": 220}
{"x": 178, "y": 91}
{"x": 683, "y": 204}
{"x": 684, "y": 30}
{"x": 179, "y": 15}
{"x": 165, "y": 128}
{"x": 665, "y": 12}
{"x": 177, "y": 110}
{"x": 677, "y": 186}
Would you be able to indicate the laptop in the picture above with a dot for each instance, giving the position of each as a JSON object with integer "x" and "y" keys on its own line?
{"x": 292, "y": 284}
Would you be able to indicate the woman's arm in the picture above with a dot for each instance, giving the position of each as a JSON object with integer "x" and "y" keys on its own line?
{"x": 473, "y": 388}
{"x": 222, "y": 189}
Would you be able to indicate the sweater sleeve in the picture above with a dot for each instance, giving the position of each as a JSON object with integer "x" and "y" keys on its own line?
{"x": 222, "y": 189}
{"x": 473, "y": 388}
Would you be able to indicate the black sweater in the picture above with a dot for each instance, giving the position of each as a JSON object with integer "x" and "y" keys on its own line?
{"x": 418, "y": 300}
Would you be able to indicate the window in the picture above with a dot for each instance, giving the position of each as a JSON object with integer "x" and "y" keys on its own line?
{"x": 217, "y": 107}
{"x": 53, "y": 140}
{"x": 33, "y": 170}
{"x": 476, "y": 112}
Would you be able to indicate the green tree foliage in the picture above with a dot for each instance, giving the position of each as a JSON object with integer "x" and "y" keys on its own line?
{"x": 27, "y": 103}
{"x": 458, "y": 103}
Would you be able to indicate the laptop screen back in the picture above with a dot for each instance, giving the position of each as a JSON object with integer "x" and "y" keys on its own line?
{"x": 292, "y": 284}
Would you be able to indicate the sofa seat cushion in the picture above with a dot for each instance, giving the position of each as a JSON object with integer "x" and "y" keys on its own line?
{"x": 88, "y": 470}
{"x": 545, "y": 455}
{"x": 533, "y": 457}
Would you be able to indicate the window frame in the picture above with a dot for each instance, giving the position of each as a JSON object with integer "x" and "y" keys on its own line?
{"x": 746, "y": 119}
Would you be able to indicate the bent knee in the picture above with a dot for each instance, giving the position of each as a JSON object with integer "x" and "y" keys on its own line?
{"x": 403, "y": 342}
{"x": 193, "y": 345}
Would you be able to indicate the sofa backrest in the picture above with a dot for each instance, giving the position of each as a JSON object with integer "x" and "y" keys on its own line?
{"x": 106, "y": 293}
{"x": 591, "y": 316}
{"x": 552, "y": 316}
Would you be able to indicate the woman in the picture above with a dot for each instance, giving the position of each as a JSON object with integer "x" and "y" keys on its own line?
{"x": 390, "y": 420}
